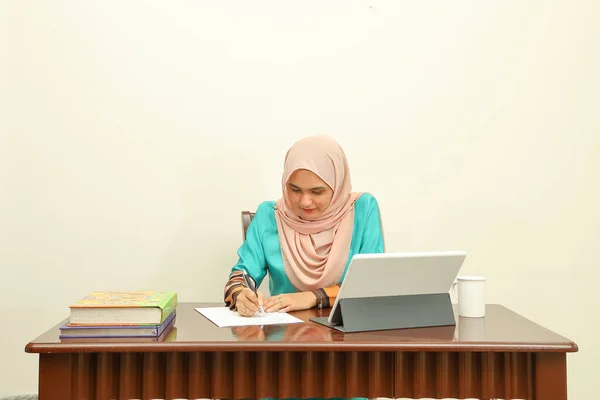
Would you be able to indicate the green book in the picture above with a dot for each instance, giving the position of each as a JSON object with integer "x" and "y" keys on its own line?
{"x": 123, "y": 308}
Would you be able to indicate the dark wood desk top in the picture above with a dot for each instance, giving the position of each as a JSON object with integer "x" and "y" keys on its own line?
{"x": 501, "y": 330}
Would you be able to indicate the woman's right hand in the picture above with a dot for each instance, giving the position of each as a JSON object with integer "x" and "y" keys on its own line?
{"x": 247, "y": 303}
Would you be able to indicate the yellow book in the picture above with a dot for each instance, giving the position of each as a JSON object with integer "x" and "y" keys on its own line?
{"x": 123, "y": 307}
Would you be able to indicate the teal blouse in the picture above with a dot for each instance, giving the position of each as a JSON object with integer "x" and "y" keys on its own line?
{"x": 261, "y": 253}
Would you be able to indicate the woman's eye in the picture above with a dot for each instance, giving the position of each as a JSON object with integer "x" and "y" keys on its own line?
{"x": 317, "y": 193}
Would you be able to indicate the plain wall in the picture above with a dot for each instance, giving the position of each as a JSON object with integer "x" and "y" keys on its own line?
{"x": 132, "y": 134}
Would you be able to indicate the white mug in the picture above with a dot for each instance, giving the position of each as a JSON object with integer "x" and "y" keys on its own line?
{"x": 471, "y": 296}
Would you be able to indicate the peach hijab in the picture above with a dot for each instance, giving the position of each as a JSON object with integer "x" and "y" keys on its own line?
{"x": 315, "y": 252}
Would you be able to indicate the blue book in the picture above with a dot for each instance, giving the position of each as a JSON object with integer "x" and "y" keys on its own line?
{"x": 110, "y": 331}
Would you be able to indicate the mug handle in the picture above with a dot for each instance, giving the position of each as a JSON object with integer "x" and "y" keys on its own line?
{"x": 454, "y": 291}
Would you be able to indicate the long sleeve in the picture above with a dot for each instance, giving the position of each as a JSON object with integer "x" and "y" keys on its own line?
{"x": 372, "y": 240}
{"x": 251, "y": 259}
{"x": 326, "y": 296}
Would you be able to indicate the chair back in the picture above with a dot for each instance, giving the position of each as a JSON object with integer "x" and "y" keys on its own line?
{"x": 246, "y": 219}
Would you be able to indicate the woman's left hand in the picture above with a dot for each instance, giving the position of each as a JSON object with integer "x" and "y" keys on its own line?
{"x": 290, "y": 302}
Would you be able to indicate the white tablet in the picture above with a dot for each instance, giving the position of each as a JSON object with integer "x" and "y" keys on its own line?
{"x": 393, "y": 274}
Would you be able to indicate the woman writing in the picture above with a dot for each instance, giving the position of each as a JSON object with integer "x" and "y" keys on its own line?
{"x": 306, "y": 239}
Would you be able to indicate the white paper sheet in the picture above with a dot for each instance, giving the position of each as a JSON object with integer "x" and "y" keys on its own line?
{"x": 224, "y": 317}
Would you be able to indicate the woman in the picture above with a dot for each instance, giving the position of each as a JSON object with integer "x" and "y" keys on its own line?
{"x": 307, "y": 238}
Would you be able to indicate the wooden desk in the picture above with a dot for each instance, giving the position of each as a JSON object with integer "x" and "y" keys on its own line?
{"x": 501, "y": 356}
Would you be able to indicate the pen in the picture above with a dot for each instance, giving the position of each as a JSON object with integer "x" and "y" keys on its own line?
{"x": 250, "y": 284}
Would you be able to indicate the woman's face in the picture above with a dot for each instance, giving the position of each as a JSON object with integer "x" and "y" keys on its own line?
{"x": 309, "y": 195}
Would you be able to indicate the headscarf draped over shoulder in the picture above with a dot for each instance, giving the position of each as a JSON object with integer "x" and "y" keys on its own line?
{"x": 315, "y": 252}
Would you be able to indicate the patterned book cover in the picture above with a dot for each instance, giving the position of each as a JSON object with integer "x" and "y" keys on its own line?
{"x": 100, "y": 303}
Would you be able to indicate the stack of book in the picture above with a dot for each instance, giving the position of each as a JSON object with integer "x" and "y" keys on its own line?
{"x": 134, "y": 314}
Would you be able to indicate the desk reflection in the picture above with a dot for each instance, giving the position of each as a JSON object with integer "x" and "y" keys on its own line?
{"x": 313, "y": 332}
{"x": 470, "y": 329}
{"x": 287, "y": 333}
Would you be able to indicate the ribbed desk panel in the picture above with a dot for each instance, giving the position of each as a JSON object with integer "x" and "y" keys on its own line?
{"x": 192, "y": 375}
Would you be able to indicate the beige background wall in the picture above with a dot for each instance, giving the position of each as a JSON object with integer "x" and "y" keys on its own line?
{"x": 133, "y": 133}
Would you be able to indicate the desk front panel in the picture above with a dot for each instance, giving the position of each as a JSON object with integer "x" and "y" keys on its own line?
{"x": 242, "y": 375}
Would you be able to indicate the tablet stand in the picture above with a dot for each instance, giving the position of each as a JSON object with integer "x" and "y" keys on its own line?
{"x": 392, "y": 312}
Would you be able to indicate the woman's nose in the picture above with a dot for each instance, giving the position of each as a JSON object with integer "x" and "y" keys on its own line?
{"x": 305, "y": 200}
